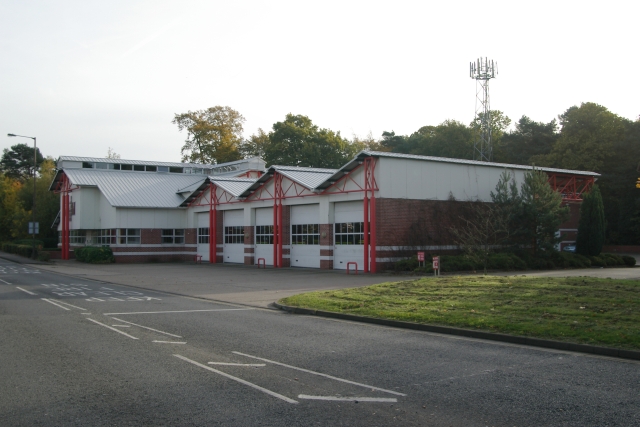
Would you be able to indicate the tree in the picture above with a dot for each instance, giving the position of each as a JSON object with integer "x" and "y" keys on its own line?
{"x": 255, "y": 146}
{"x": 214, "y": 135}
{"x": 48, "y": 203}
{"x": 13, "y": 218}
{"x": 450, "y": 138}
{"x": 499, "y": 124}
{"x": 298, "y": 142}
{"x": 591, "y": 228}
{"x": 17, "y": 162}
{"x": 541, "y": 213}
{"x": 485, "y": 228}
{"x": 527, "y": 140}
{"x": 111, "y": 154}
{"x": 587, "y": 139}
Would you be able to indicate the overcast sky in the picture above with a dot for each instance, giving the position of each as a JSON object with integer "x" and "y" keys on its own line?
{"x": 83, "y": 76}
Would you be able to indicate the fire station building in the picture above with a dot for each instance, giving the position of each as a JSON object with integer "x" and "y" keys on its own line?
{"x": 376, "y": 209}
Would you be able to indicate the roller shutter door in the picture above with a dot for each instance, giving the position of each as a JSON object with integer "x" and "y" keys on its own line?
{"x": 305, "y": 236}
{"x": 264, "y": 235}
{"x": 233, "y": 247}
{"x": 348, "y": 235}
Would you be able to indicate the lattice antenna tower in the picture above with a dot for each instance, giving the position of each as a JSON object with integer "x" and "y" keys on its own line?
{"x": 483, "y": 71}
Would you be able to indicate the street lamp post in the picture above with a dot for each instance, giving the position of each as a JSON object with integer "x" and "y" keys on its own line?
{"x": 35, "y": 166}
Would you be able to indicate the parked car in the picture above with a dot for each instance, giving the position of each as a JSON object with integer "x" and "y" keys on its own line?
{"x": 570, "y": 248}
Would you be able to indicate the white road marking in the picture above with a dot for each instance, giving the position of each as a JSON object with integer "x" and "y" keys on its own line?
{"x": 349, "y": 399}
{"x": 85, "y": 313}
{"x": 71, "y": 305}
{"x": 5, "y": 281}
{"x": 257, "y": 387}
{"x": 146, "y": 327}
{"x": 122, "y": 326}
{"x": 321, "y": 374}
{"x": 178, "y": 311}
{"x": 24, "y": 290}
{"x": 56, "y": 304}
{"x": 236, "y": 364}
{"x": 169, "y": 342}
{"x": 113, "y": 329}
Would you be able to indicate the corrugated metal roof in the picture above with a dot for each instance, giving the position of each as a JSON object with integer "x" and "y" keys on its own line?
{"x": 135, "y": 189}
{"x": 253, "y": 162}
{"x": 233, "y": 186}
{"x": 365, "y": 153}
{"x": 307, "y": 177}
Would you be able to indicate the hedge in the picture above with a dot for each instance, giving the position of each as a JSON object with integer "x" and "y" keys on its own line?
{"x": 22, "y": 250}
{"x": 94, "y": 255}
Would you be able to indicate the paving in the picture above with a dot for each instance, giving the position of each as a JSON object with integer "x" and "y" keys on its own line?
{"x": 250, "y": 285}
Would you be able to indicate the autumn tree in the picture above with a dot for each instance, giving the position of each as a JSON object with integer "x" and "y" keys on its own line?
{"x": 48, "y": 202}
{"x": 214, "y": 135}
{"x": 528, "y": 139}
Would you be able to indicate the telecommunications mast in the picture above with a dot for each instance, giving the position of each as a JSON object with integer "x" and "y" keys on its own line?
{"x": 482, "y": 72}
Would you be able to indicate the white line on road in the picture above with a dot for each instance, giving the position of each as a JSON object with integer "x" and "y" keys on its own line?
{"x": 122, "y": 326}
{"x": 236, "y": 364}
{"x": 178, "y": 311}
{"x": 146, "y": 327}
{"x": 257, "y": 387}
{"x": 71, "y": 305}
{"x": 349, "y": 399}
{"x": 24, "y": 290}
{"x": 5, "y": 282}
{"x": 113, "y": 329}
{"x": 169, "y": 342}
{"x": 56, "y": 304}
{"x": 320, "y": 374}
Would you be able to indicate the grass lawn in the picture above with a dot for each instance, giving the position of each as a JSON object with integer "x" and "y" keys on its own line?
{"x": 583, "y": 310}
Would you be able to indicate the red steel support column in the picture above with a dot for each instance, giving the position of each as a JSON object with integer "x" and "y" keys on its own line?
{"x": 65, "y": 217}
{"x": 213, "y": 229}
{"x": 366, "y": 232}
{"x": 275, "y": 225}
{"x": 280, "y": 234}
{"x": 372, "y": 240}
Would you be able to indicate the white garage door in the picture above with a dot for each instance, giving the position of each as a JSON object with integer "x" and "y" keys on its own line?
{"x": 348, "y": 235}
{"x": 203, "y": 235}
{"x": 233, "y": 249}
{"x": 305, "y": 236}
{"x": 264, "y": 235}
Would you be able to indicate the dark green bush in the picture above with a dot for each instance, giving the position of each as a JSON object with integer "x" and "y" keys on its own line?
{"x": 598, "y": 261}
{"x": 29, "y": 242}
{"x": 408, "y": 264}
{"x": 506, "y": 261}
{"x": 629, "y": 261}
{"x": 613, "y": 259}
{"x": 94, "y": 255}
{"x": 22, "y": 250}
{"x": 457, "y": 263}
{"x": 44, "y": 256}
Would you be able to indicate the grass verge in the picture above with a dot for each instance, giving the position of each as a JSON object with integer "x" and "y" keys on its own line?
{"x": 583, "y": 310}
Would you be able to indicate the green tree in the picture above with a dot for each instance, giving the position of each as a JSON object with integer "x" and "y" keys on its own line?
{"x": 499, "y": 124}
{"x": 591, "y": 227}
{"x": 47, "y": 202}
{"x": 214, "y": 135}
{"x": 298, "y": 142}
{"x": 450, "y": 138}
{"x": 527, "y": 140}
{"x": 255, "y": 146}
{"x": 587, "y": 139}
{"x": 17, "y": 162}
{"x": 542, "y": 212}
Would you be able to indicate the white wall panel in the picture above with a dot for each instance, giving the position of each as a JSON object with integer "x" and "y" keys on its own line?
{"x": 305, "y": 214}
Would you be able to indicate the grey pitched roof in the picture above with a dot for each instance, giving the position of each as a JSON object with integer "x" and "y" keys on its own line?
{"x": 133, "y": 189}
{"x": 131, "y": 162}
{"x": 307, "y": 177}
{"x": 232, "y": 185}
{"x": 365, "y": 153}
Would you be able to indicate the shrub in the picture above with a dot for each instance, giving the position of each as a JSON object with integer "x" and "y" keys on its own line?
{"x": 506, "y": 261}
{"x": 22, "y": 250}
{"x": 598, "y": 261}
{"x": 29, "y": 242}
{"x": 94, "y": 255}
{"x": 457, "y": 263}
{"x": 629, "y": 261}
{"x": 613, "y": 259}
{"x": 409, "y": 264}
{"x": 44, "y": 256}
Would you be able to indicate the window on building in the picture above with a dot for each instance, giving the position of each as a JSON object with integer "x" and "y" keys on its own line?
{"x": 175, "y": 170}
{"x": 126, "y": 167}
{"x": 151, "y": 168}
{"x": 349, "y": 233}
{"x": 203, "y": 235}
{"x": 234, "y": 234}
{"x": 163, "y": 168}
{"x": 173, "y": 236}
{"x": 115, "y": 166}
{"x": 102, "y": 165}
{"x": 87, "y": 165}
{"x": 106, "y": 237}
{"x": 129, "y": 236}
{"x": 305, "y": 234}
{"x": 264, "y": 234}
{"x": 77, "y": 237}
{"x": 138, "y": 168}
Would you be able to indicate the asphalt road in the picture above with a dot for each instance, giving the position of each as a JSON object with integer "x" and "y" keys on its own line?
{"x": 80, "y": 352}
